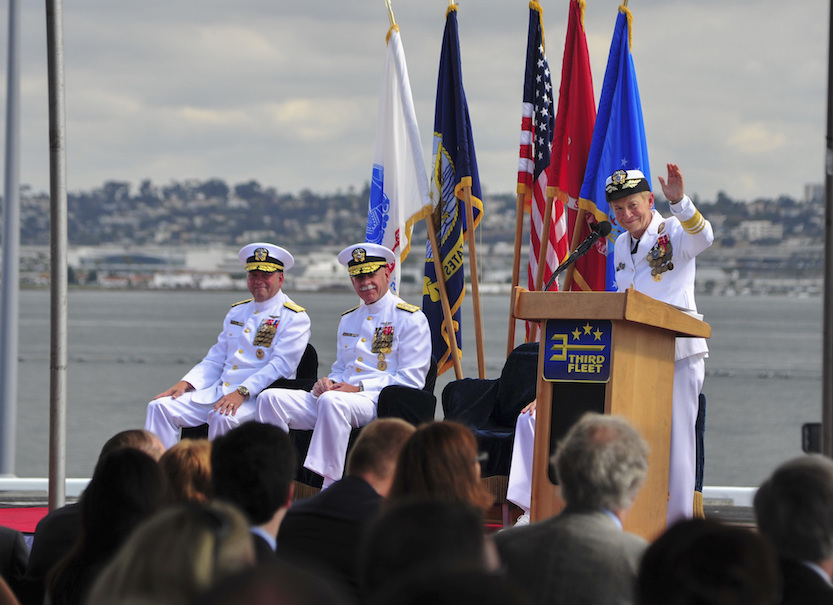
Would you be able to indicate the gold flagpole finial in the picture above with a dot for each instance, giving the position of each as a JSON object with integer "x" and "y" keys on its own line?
{"x": 390, "y": 14}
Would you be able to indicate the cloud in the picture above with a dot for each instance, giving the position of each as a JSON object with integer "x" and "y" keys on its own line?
{"x": 286, "y": 91}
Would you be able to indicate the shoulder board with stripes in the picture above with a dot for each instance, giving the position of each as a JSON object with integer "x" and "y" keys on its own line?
{"x": 293, "y": 307}
{"x": 407, "y": 307}
{"x": 243, "y": 302}
{"x": 351, "y": 310}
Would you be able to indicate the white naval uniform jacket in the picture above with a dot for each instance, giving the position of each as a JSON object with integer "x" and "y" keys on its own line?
{"x": 689, "y": 234}
{"x": 362, "y": 330}
{"x": 241, "y": 358}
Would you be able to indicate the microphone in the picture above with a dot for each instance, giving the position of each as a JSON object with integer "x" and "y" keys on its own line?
{"x": 597, "y": 231}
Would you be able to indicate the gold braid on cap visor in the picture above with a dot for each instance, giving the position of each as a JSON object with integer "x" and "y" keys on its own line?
{"x": 368, "y": 267}
{"x": 264, "y": 266}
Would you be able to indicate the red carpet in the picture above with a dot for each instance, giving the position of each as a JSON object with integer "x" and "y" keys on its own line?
{"x": 23, "y": 519}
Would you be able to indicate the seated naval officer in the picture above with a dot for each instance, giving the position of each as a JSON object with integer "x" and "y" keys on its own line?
{"x": 384, "y": 341}
{"x": 262, "y": 340}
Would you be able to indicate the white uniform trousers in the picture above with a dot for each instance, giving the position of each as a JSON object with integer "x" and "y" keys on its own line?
{"x": 166, "y": 416}
{"x": 689, "y": 374}
{"x": 331, "y": 417}
{"x": 519, "y": 491}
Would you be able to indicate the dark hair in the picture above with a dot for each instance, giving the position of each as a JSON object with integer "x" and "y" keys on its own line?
{"x": 421, "y": 534}
{"x": 253, "y": 466}
{"x": 793, "y": 508}
{"x": 126, "y": 488}
{"x": 439, "y": 462}
{"x": 702, "y": 562}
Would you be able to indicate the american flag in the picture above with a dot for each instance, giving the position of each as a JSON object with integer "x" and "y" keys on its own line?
{"x": 536, "y": 140}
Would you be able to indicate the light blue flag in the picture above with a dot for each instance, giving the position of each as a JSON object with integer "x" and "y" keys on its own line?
{"x": 619, "y": 141}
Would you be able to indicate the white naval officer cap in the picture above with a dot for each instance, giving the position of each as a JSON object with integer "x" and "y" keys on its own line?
{"x": 269, "y": 258}
{"x": 365, "y": 258}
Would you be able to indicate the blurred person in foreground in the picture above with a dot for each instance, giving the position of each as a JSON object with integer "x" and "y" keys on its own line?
{"x": 794, "y": 510}
{"x": 253, "y": 467}
{"x": 177, "y": 556}
{"x": 187, "y": 467}
{"x": 419, "y": 536}
{"x": 126, "y": 488}
{"x": 440, "y": 462}
{"x": 323, "y": 531}
{"x": 58, "y": 531}
{"x": 583, "y": 555}
{"x": 703, "y": 562}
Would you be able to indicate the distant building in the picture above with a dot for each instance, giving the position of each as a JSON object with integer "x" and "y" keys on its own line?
{"x": 754, "y": 231}
{"x": 813, "y": 193}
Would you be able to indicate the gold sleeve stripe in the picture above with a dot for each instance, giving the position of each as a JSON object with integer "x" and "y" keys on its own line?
{"x": 695, "y": 224}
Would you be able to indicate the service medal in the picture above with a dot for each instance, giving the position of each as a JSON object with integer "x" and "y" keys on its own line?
{"x": 382, "y": 366}
{"x": 260, "y": 353}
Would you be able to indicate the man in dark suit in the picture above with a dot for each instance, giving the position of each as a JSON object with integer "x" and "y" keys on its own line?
{"x": 252, "y": 467}
{"x": 583, "y": 555}
{"x": 794, "y": 509}
{"x": 323, "y": 531}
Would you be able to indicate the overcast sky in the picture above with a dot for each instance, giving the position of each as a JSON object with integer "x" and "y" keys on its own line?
{"x": 285, "y": 92}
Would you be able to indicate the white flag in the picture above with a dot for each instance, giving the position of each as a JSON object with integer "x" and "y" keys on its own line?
{"x": 399, "y": 184}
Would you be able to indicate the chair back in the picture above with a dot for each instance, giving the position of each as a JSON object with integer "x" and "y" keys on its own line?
{"x": 518, "y": 383}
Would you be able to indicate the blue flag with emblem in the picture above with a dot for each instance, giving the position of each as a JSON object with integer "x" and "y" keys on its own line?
{"x": 454, "y": 169}
{"x": 399, "y": 182}
{"x": 619, "y": 134}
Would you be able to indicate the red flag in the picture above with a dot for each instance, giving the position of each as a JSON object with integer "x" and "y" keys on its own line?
{"x": 572, "y": 135}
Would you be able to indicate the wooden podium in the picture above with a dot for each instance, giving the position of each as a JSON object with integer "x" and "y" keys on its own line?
{"x": 622, "y": 346}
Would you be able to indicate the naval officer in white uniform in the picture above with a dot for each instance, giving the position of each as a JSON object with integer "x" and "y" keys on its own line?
{"x": 655, "y": 256}
{"x": 262, "y": 340}
{"x": 384, "y": 341}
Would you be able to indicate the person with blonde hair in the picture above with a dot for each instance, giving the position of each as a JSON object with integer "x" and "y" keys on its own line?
{"x": 440, "y": 461}
{"x": 177, "y": 556}
{"x": 187, "y": 467}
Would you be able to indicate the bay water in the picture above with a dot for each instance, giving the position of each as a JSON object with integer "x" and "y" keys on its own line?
{"x": 763, "y": 374}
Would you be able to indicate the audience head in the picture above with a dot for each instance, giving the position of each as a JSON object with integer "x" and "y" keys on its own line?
{"x": 420, "y": 534}
{"x": 701, "y": 562}
{"x": 253, "y": 466}
{"x": 176, "y": 556}
{"x": 187, "y": 467}
{"x": 138, "y": 439}
{"x": 440, "y": 587}
{"x": 794, "y": 509}
{"x": 375, "y": 452}
{"x": 126, "y": 488}
{"x": 601, "y": 463}
{"x": 273, "y": 583}
{"x": 440, "y": 462}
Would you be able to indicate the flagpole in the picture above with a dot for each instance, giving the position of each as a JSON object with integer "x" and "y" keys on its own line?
{"x": 475, "y": 287}
{"x": 390, "y": 13}
{"x": 516, "y": 269}
{"x": 568, "y": 276}
{"x": 543, "y": 247}
{"x": 448, "y": 320}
